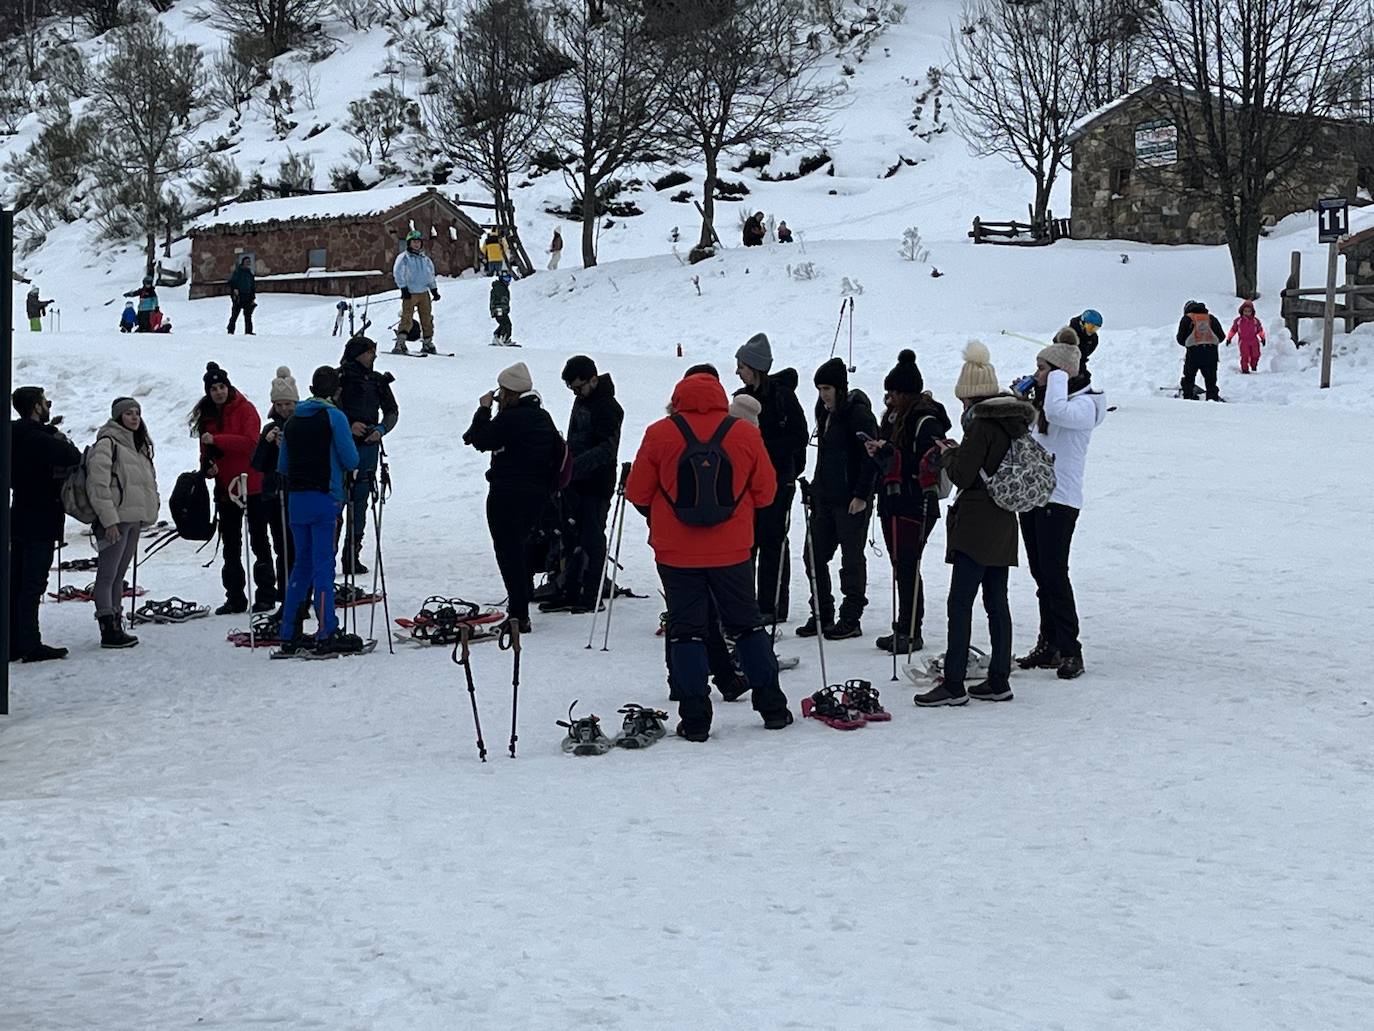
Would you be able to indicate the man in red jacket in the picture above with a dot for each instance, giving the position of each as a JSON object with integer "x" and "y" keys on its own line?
{"x": 227, "y": 426}
{"x": 702, "y": 532}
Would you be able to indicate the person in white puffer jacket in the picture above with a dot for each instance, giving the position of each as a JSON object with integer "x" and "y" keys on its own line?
{"x": 1067, "y": 412}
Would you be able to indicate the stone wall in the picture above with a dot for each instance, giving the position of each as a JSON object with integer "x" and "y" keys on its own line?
{"x": 350, "y": 245}
{"x": 1114, "y": 198}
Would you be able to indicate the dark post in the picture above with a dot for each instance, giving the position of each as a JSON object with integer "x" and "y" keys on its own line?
{"x": 6, "y": 354}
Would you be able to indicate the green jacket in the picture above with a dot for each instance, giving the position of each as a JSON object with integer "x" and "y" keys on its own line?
{"x": 500, "y": 297}
{"x": 242, "y": 282}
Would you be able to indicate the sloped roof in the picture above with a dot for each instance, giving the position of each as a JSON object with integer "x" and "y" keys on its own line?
{"x": 357, "y": 204}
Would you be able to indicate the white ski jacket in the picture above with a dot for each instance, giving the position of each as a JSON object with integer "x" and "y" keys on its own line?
{"x": 1072, "y": 419}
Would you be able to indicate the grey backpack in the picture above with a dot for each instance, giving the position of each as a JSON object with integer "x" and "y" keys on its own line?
{"x": 76, "y": 495}
{"x": 1025, "y": 479}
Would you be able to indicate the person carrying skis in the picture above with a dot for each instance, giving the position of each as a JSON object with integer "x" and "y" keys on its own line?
{"x": 243, "y": 295}
{"x": 315, "y": 450}
{"x": 367, "y": 401}
{"x": 413, "y": 272}
{"x": 40, "y": 455}
{"x": 147, "y": 304}
{"x": 128, "y": 319}
{"x": 703, "y": 545}
{"x": 594, "y": 440}
{"x": 284, "y": 395}
{"x": 499, "y": 306}
{"x": 526, "y": 457}
{"x": 227, "y": 426}
{"x": 980, "y": 535}
{"x": 1085, "y": 328}
{"x": 1199, "y": 333}
{"x": 841, "y": 501}
{"x": 36, "y": 309}
{"x": 555, "y": 248}
{"x": 913, "y": 423}
{"x": 783, "y": 425}
{"x": 1251, "y": 333}
{"x": 1067, "y": 412}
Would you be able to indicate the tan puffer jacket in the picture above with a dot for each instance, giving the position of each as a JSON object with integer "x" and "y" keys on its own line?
{"x": 120, "y": 479}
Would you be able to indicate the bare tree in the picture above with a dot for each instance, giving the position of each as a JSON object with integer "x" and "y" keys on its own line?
{"x": 1254, "y": 79}
{"x": 489, "y": 106}
{"x": 21, "y": 20}
{"x": 230, "y": 81}
{"x": 144, "y": 96}
{"x": 220, "y": 180}
{"x": 1016, "y": 87}
{"x": 279, "y": 24}
{"x": 746, "y": 79}
{"x": 607, "y": 109}
{"x": 99, "y": 16}
{"x": 1109, "y": 48}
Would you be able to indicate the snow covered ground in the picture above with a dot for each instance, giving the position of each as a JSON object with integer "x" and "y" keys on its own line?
{"x": 193, "y": 836}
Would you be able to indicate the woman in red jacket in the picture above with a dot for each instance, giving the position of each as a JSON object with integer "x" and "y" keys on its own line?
{"x": 228, "y": 427}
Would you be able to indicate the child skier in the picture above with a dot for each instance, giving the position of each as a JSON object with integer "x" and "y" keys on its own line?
{"x": 500, "y": 309}
{"x": 1251, "y": 333}
{"x": 147, "y": 304}
{"x": 128, "y": 318}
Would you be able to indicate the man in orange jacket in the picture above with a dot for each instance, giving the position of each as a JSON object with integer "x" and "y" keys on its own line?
{"x": 698, "y": 477}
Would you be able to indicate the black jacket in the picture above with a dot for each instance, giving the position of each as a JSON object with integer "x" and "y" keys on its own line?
{"x": 526, "y": 450}
{"x": 39, "y": 460}
{"x": 594, "y": 439}
{"x": 977, "y": 525}
{"x": 843, "y": 470}
{"x": 782, "y": 423}
{"x": 899, "y": 487}
{"x": 264, "y": 458}
{"x": 1087, "y": 344}
{"x": 364, "y": 393}
{"x": 36, "y": 309}
{"x": 1185, "y": 325}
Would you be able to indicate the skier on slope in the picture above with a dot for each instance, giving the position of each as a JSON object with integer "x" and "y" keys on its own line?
{"x": 35, "y": 309}
{"x": 128, "y": 318}
{"x": 499, "y": 306}
{"x": 413, "y": 272}
{"x": 367, "y": 400}
{"x": 316, "y": 449}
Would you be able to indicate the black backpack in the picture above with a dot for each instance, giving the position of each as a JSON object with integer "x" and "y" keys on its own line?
{"x": 705, "y": 477}
{"x": 190, "y": 507}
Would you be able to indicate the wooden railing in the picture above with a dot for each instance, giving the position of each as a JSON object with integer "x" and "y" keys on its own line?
{"x": 1354, "y": 304}
{"x": 1024, "y": 234}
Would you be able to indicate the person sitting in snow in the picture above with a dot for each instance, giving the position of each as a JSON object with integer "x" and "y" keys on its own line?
{"x": 784, "y": 233}
{"x": 128, "y": 319}
{"x": 1251, "y": 333}
{"x": 754, "y": 232}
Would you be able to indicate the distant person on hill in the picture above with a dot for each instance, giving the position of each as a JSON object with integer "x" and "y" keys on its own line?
{"x": 1251, "y": 333}
{"x": 155, "y": 321}
{"x": 499, "y": 305}
{"x": 243, "y": 292}
{"x": 36, "y": 309}
{"x": 128, "y": 318}
{"x": 413, "y": 272}
{"x": 784, "y": 233}
{"x": 1085, "y": 329}
{"x": 494, "y": 252}
{"x": 147, "y": 304}
{"x": 1199, "y": 333}
{"x": 754, "y": 232}
{"x": 555, "y": 249}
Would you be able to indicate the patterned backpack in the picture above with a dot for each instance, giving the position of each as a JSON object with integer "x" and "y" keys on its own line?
{"x": 1025, "y": 479}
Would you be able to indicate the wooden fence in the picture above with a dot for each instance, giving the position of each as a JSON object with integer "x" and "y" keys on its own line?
{"x": 1354, "y": 301}
{"x": 1022, "y": 234}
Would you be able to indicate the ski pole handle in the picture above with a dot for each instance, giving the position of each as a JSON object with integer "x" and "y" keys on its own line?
{"x": 624, "y": 476}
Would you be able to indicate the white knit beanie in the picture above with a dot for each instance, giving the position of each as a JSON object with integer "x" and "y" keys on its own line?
{"x": 517, "y": 379}
{"x": 742, "y": 406}
{"x": 977, "y": 378}
{"x": 284, "y": 386}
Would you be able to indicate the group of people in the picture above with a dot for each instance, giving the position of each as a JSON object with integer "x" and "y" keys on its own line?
{"x": 1200, "y": 335}
{"x": 755, "y": 232}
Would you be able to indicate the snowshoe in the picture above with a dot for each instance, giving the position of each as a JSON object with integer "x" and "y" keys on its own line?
{"x": 642, "y": 727}
{"x": 296, "y": 648}
{"x": 829, "y": 707}
{"x": 979, "y": 662}
{"x": 861, "y": 696}
{"x": 173, "y": 610}
{"x": 584, "y": 735}
{"x": 786, "y": 662}
{"x": 68, "y": 592}
{"x": 83, "y": 565}
{"x": 347, "y": 595}
{"x": 441, "y": 621}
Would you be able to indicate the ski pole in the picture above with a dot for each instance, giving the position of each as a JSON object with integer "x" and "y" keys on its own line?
{"x": 510, "y": 641}
{"x": 464, "y": 636}
{"x": 618, "y": 515}
{"x": 892, "y": 561}
{"x": 852, "y": 366}
{"x": 350, "y": 481}
{"x": 615, "y": 571}
{"x": 777, "y": 590}
{"x": 379, "y": 573}
{"x": 239, "y": 496}
{"x": 811, "y": 572}
{"x": 839, "y": 322}
{"x": 1021, "y": 336}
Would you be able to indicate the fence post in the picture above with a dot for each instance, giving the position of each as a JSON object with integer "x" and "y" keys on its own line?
{"x": 1329, "y": 311}
{"x": 977, "y": 229}
{"x": 1288, "y": 305}
{"x": 1349, "y": 296}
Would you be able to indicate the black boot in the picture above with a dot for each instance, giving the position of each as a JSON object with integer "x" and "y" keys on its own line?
{"x": 352, "y": 559}
{"x": 112, "y": 633}
{"x": 1042, "y": 656}
{"x": 900, "y": 645}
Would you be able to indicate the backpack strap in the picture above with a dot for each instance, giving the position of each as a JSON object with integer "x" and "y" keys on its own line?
{"x": 718, "y": 438}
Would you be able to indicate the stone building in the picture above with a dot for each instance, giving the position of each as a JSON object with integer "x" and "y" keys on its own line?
{"x": 338, "y": 244}
{"x": 1133, "y": 178}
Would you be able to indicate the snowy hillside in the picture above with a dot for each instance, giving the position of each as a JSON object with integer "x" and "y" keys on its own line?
{"x": 197, "y": 837}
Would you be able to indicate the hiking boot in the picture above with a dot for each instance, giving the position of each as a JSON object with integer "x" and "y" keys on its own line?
{"x": 340, "y": 642}
{"x": 44, "y": 652}
{"x": 112, "y": 633}
{"x": 941, "y": 695}
{"x": 352, "y": 564}
{"x": 526, "y": 627}
{"x": 557, "y": 604}
{"x": 261, "y": 604}
{"x": 693, "y": 734}
{"x": 987, "y": 691}
{"x": 427, "y": 347}
{"x": 734, "y": 688}
{"x": 1042, "y": 656}
{"x": 843, "y": 631}
{"x": 777, "y": 719}
{"x": 232, "y": 607}
{"x": 1071, "y": 667}
{"x": 642, "y": 727}
{"x": 900, "y": 643}
{"x": 298, "y": 645}
{"x": 809, "y": 629}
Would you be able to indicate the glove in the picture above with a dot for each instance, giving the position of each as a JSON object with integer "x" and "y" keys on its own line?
{"x": 434, "y": 294}
{"x": 405, "y": 294}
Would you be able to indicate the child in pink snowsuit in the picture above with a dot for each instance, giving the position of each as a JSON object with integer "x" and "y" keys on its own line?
{"x": 1251, "y": 333}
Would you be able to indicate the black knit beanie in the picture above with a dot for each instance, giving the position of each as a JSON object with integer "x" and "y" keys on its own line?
{"x": 905, "y": 377}
{"x": 833, "y": 374}
{"x": 214, "y": 374}
{"x": 579, "y": 366}
{"x": 358, "y": 345}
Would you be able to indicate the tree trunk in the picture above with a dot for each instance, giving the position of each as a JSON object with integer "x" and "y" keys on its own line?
{"x": 1244, "y": 248}
{"x": 708, "y": 202}
{"x": 1043, "y": 185}
{"x": 589, "y": 188}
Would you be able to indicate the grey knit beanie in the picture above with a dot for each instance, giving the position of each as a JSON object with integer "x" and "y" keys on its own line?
{"x": 756, "y": 353}
{"x": 122, "y": 405}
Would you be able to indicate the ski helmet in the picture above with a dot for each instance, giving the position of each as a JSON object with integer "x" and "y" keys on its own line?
{"x": 414, "y": 234}
{"x": 1091, "y": 317}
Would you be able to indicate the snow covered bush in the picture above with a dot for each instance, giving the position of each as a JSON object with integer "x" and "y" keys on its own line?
{"x": 803, "y": 271}
{"x": 220, "y": 180}
{"x": 297, "y": 172}
{"x": 912, "y": 250}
